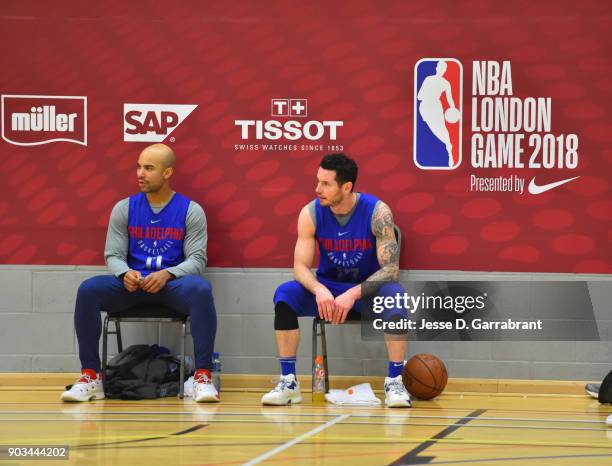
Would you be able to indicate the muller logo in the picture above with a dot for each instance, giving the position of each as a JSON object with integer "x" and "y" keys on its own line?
{"x": 437, "y": 113}
{"x": 32, "y": 120}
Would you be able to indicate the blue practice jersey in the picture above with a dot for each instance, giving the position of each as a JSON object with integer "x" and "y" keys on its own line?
{"x": 348, "y": 253}
{"x": 156, "y": 240}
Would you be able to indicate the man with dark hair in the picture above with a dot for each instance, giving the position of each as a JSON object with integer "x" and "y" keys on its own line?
{"x": 345, "y": 168}
{"x": 358, "y": 251}
{"x": 156, "y": 251}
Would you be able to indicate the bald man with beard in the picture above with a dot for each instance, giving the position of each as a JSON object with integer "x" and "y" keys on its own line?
{"x": 156, "y": 253}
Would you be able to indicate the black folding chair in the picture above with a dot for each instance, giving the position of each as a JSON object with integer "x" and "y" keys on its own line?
{"x": 159, "y": 314}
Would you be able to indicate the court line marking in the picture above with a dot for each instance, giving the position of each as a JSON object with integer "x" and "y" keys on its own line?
{"x": 289, "y": 414}
{"x": 267, "y": 421}
{"x": 412, "y": 457}
{"x": 415, "y": 407}
{"x": 225, "y": 445}
{"x": 296, "y": 440}
{"x": 145, "y": 439}
{"x": 334, "y": 439}
{"x": 520, "y": 458}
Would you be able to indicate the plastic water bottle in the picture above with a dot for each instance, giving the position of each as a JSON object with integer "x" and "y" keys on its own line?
{"x": 189, "y": 365}
{"x": 318, "y": 381}
{"x": 216, "y": 372}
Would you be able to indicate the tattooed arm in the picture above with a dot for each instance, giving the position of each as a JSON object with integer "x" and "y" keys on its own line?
{"x": 387, "y": 251}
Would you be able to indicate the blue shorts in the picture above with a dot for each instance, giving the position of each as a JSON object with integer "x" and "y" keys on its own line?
{"x": 304, "y": 304}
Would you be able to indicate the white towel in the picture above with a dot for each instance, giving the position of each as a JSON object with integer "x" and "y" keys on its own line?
{"x": 358, "y": 395}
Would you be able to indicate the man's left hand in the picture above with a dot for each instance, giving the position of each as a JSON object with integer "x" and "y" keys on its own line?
{"x": 344, "y": 303}
{"x": 155, "y": 281}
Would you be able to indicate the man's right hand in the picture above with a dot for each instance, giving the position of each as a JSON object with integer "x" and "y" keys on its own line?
{"x": 325, "y": 303}
{"x": 131, "y": 280}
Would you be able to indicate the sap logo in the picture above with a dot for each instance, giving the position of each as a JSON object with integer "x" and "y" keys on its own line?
{"x": 31, "y": 120}
{"x": 152, "y": 122}
{"x": 438, "y": 84}
{"x": 292, "y": 130}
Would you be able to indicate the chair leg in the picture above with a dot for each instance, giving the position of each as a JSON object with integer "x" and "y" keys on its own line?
{"x": 104, "y": 346}
{"x": 324, "y": 350}
{"x": 182, "y": 369}
{"x": 118, "y": 331}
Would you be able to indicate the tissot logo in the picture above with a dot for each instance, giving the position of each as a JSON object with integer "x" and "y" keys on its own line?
{"x": 290, "y": 107}
{"x": 152, "y": 122}
{"x": 32, "y": 120}
{"x": 293, "y": 129}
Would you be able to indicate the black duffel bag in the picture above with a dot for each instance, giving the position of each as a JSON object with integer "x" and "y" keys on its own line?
{"x": 142, "y": 372}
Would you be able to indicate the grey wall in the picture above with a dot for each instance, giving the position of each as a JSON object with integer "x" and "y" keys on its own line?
{"x": 37, "y": 334}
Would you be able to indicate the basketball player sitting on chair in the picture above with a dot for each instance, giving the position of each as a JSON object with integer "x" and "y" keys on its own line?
{"x": 358, "y": 251}
{"x": 156, "y": 250}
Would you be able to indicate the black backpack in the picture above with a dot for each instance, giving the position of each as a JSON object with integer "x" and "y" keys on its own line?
{"x": 141, "y": 372}
{"x": 605, "y": 390}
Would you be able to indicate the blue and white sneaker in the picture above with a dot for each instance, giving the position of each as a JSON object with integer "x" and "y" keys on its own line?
{"x": 287, "y": 391}
{"x": 396, "y": 395}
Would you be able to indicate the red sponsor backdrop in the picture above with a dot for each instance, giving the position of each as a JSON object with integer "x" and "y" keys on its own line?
{"x": 354, "y": 62}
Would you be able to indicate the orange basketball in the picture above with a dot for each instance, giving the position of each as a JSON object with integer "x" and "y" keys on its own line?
{"x": 425, "y": 376}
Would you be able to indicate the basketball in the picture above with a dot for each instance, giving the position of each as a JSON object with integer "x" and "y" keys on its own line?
{"x": 452, "y": 115}
{"x": 425, "y": 376}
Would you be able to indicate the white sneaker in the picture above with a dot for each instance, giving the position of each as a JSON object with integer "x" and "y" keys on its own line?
{"x": 84, "y": 389}
{"x": 396, "y": 395}
{"x": 204, "y": 391}
{"x": 287, "y": 391}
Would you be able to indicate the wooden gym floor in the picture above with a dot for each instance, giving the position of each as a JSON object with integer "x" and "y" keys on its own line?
{"x": 458, "y": 428}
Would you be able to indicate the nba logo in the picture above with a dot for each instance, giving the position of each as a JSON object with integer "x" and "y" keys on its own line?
{"x": 438, "y": 84}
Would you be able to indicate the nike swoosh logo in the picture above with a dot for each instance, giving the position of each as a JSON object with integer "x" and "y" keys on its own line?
{"x": 535, "y": 189}
{"x": 155, "y": 221}
{"x": 342, "y": 234}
